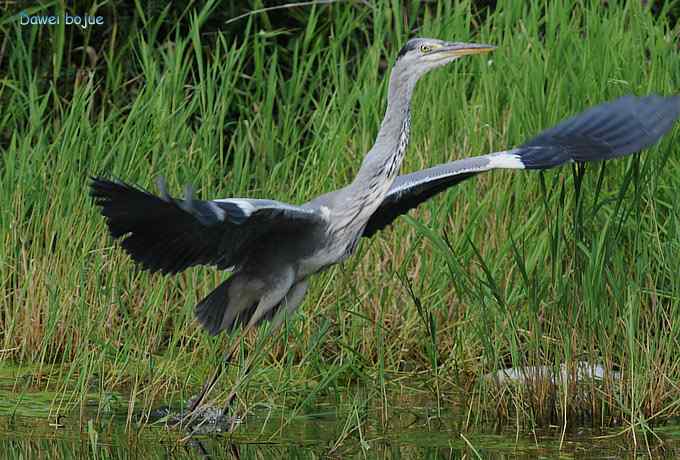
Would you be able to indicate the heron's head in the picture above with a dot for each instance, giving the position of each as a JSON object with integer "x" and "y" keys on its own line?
{"x": 420, "y": 55}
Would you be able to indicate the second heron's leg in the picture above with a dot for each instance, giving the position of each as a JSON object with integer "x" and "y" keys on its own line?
{"x": 290, "y": 303}
{"x": 279, "y": 286}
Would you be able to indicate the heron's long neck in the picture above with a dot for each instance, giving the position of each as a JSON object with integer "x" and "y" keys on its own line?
{"x": 381, "y": 164}
{"x": 384, "y": 158}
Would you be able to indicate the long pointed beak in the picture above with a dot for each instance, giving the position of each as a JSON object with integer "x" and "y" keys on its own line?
{"x": 464, "y": 49}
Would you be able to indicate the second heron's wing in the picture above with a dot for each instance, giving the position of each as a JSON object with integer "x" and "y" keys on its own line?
{"x": 165, "y": 234}
{"x": 609, "y": 130}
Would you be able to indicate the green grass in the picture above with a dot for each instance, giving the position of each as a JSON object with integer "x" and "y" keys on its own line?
{"x": 510, "y": 269}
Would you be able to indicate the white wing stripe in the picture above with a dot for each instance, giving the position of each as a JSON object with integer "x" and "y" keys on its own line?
{"x": 501, "y": 160}
{"x": 219, "y": 212}
{"x": 505, "y": 160}
{"x": 243, "y": 205}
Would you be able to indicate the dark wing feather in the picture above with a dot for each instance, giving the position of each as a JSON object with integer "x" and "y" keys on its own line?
{"x": 168, "y": 235}
{"x": 624, "y": 126}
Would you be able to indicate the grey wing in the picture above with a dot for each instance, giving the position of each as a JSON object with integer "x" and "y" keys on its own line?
{"x": 606, "y": 131}
{"x": 410, "y": 190}
{"x": 169, "y": 235}
{"x": 624, "y": 126}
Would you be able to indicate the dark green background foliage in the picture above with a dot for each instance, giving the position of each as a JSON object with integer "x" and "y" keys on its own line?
{"x": 512, "y": 269}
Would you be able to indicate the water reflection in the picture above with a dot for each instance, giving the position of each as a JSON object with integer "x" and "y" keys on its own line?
{"x": 312, "y": 436}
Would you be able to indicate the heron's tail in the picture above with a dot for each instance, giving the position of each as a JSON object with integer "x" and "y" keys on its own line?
{"x": 223, "y": 309}
{"x": 609, "y": 130}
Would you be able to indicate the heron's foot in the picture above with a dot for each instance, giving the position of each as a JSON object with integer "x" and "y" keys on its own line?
{"x": 204, "y": 420}
{"x": 194, "y": 403}
{"x": 209, "y": 420}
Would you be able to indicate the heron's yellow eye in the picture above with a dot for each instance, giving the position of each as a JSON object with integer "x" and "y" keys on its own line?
{"x": 425, "y": 49}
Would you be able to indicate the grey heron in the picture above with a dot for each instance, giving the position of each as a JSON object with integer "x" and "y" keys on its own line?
{"x": 272, "y": 248}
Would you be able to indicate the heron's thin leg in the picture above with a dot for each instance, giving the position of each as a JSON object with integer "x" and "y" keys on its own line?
{"x": 244, "y": 375}
{"x": 210, "y": 384}
{"x": 234, "y": 391}
{"x": 213, "y": 380}
{"x": 239, "y": 381}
